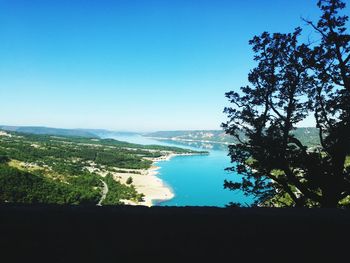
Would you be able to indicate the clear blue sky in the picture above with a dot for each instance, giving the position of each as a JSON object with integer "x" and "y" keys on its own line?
{"x": 130, "y": 65}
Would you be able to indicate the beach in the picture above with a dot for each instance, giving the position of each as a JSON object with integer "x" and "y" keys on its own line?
{"x": 147, "y": 183}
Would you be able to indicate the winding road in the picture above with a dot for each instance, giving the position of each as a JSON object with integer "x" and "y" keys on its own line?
{"x": 104, "y": 193}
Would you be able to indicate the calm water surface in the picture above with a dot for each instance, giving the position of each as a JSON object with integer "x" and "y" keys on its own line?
{"x": 195, "y": 180}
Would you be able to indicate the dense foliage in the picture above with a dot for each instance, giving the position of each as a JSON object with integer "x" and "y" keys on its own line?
{"x": 118, "y": 191}
{"x": 291, "y": 81}
{"x": 24, "y": 187}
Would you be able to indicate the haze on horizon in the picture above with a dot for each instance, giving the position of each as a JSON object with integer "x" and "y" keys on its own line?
{"x": 132, "y": 66}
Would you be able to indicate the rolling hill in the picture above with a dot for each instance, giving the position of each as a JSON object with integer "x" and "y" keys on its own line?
{"x": 50, "y": 131}
{"x": 308, "y": 136}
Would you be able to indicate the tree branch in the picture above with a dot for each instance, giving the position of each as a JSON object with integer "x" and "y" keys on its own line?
{"x": 295, "y": 181}
{"x": 286, "y": 187}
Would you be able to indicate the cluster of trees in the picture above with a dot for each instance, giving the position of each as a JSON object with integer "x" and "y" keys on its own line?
{"x": 118, "y": 191}
{"x": 19, "y": 186}
{"x": 122, "y": 160}
{"x": 3, "y": 159}
{"x": 24, "y": 187}
{"x": 294, "y": 80}
{"x": 129, "y": 180}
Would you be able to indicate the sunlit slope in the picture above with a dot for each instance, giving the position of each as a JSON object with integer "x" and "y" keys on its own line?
{"x": 308, "y": 136}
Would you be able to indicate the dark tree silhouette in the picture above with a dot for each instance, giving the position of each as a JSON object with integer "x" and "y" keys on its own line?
{"x": 291, "y": 81}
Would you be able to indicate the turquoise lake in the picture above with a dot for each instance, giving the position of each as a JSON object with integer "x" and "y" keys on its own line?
{"x": 196, "y": 180}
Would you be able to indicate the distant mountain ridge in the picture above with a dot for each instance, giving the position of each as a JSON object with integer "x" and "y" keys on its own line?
{"x": 51, "y": 131}
{"x": 308, "y": 136}
{"x": 193, "y": 135}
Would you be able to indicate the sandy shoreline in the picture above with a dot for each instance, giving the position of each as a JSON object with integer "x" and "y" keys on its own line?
{"x": 145, "y": 181}
{"x": 149, "y": 184}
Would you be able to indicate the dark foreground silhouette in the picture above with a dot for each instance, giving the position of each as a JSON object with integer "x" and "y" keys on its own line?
{"x": 170, "y": 234}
